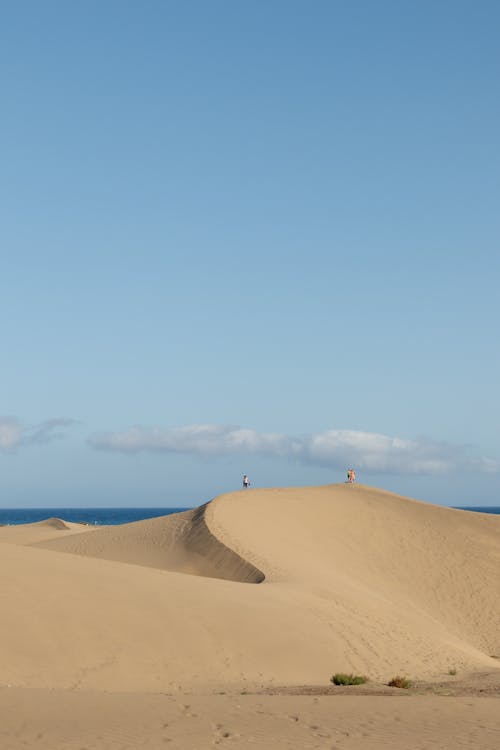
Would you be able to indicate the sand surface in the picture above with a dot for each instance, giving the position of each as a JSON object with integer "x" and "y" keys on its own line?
{"x": 53, "y": 720}
{"x": 241, "y": 610}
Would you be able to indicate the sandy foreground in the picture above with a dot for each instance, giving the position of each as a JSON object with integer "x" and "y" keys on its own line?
{"x": 223, "y": 625}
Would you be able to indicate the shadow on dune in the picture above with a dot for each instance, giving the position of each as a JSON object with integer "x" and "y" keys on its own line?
{"x": 181, "y": 542}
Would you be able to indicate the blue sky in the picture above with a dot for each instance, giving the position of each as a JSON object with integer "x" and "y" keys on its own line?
{"x": 248, "y": 237}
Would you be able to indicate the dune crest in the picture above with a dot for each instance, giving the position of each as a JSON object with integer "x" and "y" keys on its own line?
{"x": 181, "y": 542}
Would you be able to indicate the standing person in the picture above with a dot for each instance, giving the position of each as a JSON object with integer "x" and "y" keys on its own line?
{"x": 246, "y": 482}
{"x": 350, "y": 476}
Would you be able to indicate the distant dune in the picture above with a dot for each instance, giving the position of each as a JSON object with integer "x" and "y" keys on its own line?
{"x": 257, "y": 588}
{"x": 54, "y": 523}
{"x": 31, "y": 533}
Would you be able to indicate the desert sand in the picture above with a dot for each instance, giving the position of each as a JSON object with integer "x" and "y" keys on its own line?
{"x": 223, "y": 625}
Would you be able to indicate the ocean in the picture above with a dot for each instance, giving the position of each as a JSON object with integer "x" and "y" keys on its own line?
{"x": 115, "y": 516}
{"x": 94, "y": 516}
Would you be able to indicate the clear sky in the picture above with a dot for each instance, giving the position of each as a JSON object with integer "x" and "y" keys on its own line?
{"x": 255, "y": 237}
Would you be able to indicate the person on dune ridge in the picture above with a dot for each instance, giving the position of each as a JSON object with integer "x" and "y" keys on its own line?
{"x": 246, "y": 482}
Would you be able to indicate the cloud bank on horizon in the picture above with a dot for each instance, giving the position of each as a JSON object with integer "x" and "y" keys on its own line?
{"x": 336, "y": 449}
{"x": 14, "y": 434}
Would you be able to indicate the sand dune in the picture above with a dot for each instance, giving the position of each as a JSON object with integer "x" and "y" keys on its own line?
{"x": 396, "y": 571}
{"x": 424, "y": 577}
{"x": 40, "y": 531}
{"x": 258, "y": 590}
{"x": 54, "y": 523}
{"x": 355, "y": 579}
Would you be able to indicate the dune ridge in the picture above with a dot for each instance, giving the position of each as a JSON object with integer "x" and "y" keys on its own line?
{"x": 180, "y": 542}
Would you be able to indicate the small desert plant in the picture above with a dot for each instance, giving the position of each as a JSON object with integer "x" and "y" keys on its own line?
{"x": 348, "y": 679}
{"x": 400, "y": 682}
{"x": 452, "y": 671}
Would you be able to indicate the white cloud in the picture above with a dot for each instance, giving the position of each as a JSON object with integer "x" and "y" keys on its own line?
{"x": 14, "y": 434}
{"x": 198, "y": 439}
{"x": 336, "y": 449}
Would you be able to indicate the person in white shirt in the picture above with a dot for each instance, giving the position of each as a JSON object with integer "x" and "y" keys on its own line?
{"x": 246, "y": 482}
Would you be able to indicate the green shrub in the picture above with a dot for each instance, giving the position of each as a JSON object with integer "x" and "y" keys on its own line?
{"x": 348, "y": 679}
{"x": 400, "y": 682}
{"x": 452, "y": 671}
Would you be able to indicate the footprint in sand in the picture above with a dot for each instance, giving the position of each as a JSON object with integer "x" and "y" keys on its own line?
{"x": 221, "y": 734}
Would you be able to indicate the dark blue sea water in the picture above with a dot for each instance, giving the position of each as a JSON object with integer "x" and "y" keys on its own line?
{"x": 113, "y": 516}
{"x": 100, "y": 516}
